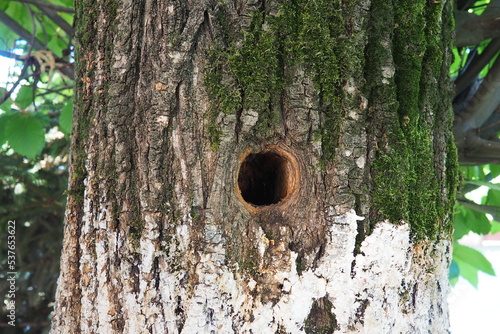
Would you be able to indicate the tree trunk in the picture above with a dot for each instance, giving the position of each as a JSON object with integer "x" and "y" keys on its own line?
{"x": 259, "y": 167}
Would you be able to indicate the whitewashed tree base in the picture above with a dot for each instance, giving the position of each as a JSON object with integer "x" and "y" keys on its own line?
{"x": 388, "y": 291}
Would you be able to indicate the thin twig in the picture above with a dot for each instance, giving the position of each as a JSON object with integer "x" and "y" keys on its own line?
{"x": 51, "y": 14}
{"x": 11, "y": 55}
{"x": 56, "y": 91}
{"x": 19, "y": 79}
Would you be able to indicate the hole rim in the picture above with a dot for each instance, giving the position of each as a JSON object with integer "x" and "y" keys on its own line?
{"x": 290, "y": 167}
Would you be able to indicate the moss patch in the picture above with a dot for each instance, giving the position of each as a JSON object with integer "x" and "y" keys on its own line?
{"x": 406, "y": 180}
{"x": 86, "y": 20}
{"x": 135, "y": 233}
{"x": 248, "y": 69}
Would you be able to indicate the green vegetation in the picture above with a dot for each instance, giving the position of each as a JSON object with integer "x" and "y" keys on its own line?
{"x": 480, "y": 216}
{"x": 478, "y": 201}
{"x": 35, "y": 122}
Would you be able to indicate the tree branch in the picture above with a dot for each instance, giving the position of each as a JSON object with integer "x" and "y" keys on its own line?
{"x": 23, "y": 33}
{"x": 491, "y": 127}
{"x": 465, "y": 78}
{"x": 475, "y": 151}
{"x": 11, "y": 55}
{"x": 481, "y": 106}
{"x": 21, "y": 77}
{"x": 472, "y": 29}
{"x": 490, "y": 209}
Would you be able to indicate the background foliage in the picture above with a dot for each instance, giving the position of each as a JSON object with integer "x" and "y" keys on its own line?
{"x": 35, "y": 122}
{"x": 476, "y": 128}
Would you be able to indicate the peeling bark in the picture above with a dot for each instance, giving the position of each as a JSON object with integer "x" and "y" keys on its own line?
{"x": 206, "y": 197}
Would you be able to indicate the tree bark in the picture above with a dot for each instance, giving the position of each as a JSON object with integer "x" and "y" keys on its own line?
{"x": 259, "y": 167}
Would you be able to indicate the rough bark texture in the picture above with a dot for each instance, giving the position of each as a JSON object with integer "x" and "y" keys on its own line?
{"x": 259, "y": 167}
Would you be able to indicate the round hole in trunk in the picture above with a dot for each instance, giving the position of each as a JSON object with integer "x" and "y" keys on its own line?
{"x": 267, "y": 177}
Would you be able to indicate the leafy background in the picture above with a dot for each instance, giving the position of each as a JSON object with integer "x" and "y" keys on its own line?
{"x": 35, "y": 124}
{"x": 478, "y": 201}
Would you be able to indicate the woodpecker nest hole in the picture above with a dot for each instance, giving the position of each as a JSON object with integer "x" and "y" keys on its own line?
{"x": 267, "y": 177}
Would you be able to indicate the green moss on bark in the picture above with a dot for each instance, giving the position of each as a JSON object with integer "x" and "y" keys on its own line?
{"x": 135, "y": 232}
{"x": 86, "y": 20}
{"x": 86, "y": 29}
{"x": 249, "y": 68}
{"x": 407, "y": 183}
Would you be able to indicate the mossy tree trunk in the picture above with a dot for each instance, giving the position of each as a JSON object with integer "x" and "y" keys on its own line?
{"x": 259, "y": 166}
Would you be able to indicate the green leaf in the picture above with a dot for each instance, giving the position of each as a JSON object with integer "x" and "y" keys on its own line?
{"x": 476, "y": 221}
{"x": 49, "y": 29}
{"x": 67, "y": 3}
{"x": 470, "y": 259}
{"x": 43, "y": 118}
{"x": 56, "y": 45}
{"x": 18, "y": 12}
{"x": 459, "y": 222}
{"x": 6, "y": 105}
{"x": 473, "y": 172}
{"x": 24, "y": 97}
{"x": 4, "y": 118}
{"x": 456, "y": 64}
{"x": 495, "y": 227}
{"x": 66, "y": 118}
{"x": 493, "y": 198}
{"x": 486, "y": 69}
{"x": 494, "y": 170}
{"x": 479, "y": 7}
{"x": 25, "y": 134}
{"x": 453, "y": 281}
{"x": 468, "y": 272}
{"x": 68, "y": 17}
